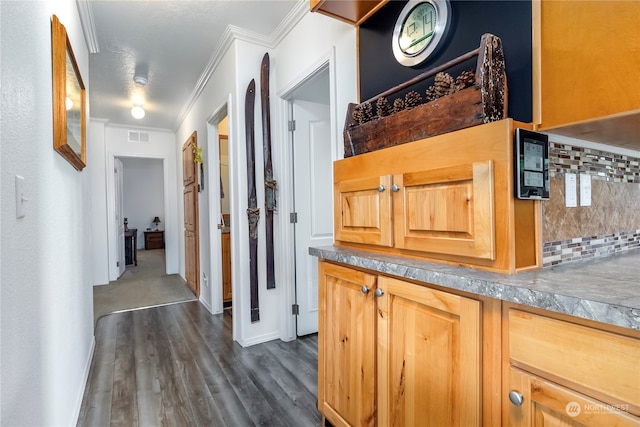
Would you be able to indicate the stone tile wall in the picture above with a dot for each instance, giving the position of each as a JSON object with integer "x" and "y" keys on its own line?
{"x": 612, "y": 222}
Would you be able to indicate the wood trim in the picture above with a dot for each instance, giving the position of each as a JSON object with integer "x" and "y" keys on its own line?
{"x": 536, "y": 60}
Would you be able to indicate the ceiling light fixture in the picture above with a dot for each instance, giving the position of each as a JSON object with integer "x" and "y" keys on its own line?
{"x": 141, "y": 80}
{"x": 137, "y": 112}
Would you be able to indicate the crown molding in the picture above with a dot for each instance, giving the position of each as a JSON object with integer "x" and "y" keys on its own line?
{"x": 233, "y": 33}
{"x": 88, "y": 27}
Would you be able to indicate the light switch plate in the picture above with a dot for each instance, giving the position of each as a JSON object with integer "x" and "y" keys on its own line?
{"x": 20, "y": 199}
{"x": 570, "y": 192}
{"x": 585, "y": 189}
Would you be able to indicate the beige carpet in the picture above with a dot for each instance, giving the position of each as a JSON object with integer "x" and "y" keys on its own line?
{"x": 144, "y": 285}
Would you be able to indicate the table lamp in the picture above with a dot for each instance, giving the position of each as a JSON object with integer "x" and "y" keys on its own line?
{"x": 156, "y": 220}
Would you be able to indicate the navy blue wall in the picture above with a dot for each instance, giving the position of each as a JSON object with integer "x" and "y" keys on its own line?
{"x": 509, "y": 20}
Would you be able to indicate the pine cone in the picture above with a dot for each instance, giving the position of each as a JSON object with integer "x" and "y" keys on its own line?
{"x": 431, "y": 94}
{"x": 367, "y": 112}
{"x": 398, "y": 105}
{"x": 357, "y": 115}
{"x": 383, "y": 108}
{"x": 465, "y": 79}
{"x": 412, "y": 99}
{"x": 443, "y": 85}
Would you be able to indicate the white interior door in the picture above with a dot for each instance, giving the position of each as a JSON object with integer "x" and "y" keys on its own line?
{"x": 313, "y": 182}
{"x": 119, "y": 189}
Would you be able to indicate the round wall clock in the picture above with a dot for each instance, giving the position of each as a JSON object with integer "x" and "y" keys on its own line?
{"x": 420, "y": 30}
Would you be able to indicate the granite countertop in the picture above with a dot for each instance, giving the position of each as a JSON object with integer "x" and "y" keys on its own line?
{"x": 602, "y": 289}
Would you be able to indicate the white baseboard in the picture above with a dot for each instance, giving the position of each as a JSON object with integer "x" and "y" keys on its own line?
{"x": 87, "y": 369}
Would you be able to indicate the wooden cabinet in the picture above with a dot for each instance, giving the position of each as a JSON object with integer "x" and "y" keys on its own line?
{"x": 351, "y": 11}
{"x": 428, "y": 356}
{"x": 545, "y": 404}
{"x": 153, "y": 240}
{"x": 346, "y": 346}
{"x": 586, "y": 78}
{"x": 438, "y": 198}
{"x": 568, "y": 374}
{"x": 226, "y": 267}
{"x": 392, "y": 352}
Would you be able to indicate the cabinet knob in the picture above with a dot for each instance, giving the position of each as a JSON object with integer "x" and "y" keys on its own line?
{"x": 395, "y": 188}
{"x": 379, "y": 292}
{"x": 516, "y": 397}
{"x": 364, "y": 289}
{"x": 380, "y": 188}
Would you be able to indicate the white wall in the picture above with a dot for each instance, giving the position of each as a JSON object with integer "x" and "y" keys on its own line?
{"x": 143, "y": 194}
{"x": 294, "y": 56}
{"x": 46, "y": 308}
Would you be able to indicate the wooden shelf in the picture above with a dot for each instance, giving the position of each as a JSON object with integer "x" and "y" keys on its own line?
{"x": 352, "y": 12}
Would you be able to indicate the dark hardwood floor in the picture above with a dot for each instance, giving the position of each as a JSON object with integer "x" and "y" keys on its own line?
{"x": 177, "y": 365}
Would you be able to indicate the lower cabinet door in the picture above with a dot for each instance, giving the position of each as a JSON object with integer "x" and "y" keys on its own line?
{"x": 535, "y": 402}
{"x": 346, "y": 346}
{"x": 429, "y": 365}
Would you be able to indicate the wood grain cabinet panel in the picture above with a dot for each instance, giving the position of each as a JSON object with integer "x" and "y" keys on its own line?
{"x": 392, "y": 352}
{"x": 448, "y": 210}
{"x": 363, "y": 213}
{"x": 448, "y": 198}
{"x": 346, "y": 346}
{"x": 569, "y": 374}
{"x": 428, "y": 356}
{"x": 545, "y": 404}
{"x": 587, "y": 69}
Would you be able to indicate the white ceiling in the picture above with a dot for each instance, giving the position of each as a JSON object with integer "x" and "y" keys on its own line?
{"x": 174, "y": 43}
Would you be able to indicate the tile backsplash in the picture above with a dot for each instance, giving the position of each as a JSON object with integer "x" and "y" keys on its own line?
{"x": 612, "y": 222}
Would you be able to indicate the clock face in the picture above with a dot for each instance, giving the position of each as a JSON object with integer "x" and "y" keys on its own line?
{"x": 419, "y": 30}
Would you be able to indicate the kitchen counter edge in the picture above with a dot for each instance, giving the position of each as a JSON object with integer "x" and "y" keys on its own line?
{"x": 603, "y": 289}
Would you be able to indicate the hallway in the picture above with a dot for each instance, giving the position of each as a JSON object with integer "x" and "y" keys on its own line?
{"x": 177, "y": 365}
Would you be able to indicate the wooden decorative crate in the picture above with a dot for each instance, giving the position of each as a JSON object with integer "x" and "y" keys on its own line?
{"x": 483, "y": 102}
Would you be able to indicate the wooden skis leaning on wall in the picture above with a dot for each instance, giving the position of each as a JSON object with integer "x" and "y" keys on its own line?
{"x": 253, "y": 211}
{"x": 270, "y": 184}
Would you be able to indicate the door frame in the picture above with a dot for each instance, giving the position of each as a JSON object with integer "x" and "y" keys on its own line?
{"x": 112, "y": 227}
{"x": 285, "y": 158}
{"x": 215, "y": 244}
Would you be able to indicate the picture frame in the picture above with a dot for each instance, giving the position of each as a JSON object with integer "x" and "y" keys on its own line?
{"x": 69, "y": 99}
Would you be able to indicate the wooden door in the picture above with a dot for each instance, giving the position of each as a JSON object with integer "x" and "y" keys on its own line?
{"x": 362, "y": 211}
{"x": 191, "y": 233}
{"x": 545, "y": 404}
{"x": 346, "y": 346}
{"x": 429, "y": 364}
{"x": 448, "y": 210}
{"x": 119, "y": 190}
{"x": 226, "y": 267}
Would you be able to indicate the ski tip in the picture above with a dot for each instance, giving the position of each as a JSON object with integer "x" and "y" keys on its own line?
{"x": 265, "y": 59}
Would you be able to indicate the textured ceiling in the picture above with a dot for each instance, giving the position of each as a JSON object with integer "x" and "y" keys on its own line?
{"x": 173, "y": 43}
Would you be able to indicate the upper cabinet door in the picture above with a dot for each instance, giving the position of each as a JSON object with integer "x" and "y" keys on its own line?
{"x": 448, "y": 210}
{"x": 363, "y": 211}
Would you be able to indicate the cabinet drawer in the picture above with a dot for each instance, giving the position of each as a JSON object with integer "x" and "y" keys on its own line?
{"x": 605, "y": 363}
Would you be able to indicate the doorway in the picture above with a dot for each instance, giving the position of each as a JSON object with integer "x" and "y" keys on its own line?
{"x": 309, "y": 109}
{"x": 139, "y": 194}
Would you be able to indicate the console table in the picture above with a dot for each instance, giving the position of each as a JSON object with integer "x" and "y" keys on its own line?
{"x": 131, "y": 246}
{"x": 153, "y": 240}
